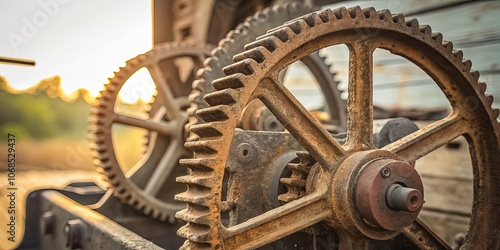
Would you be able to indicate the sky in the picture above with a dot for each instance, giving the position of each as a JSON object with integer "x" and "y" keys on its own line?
{"x": 84, "y": 42}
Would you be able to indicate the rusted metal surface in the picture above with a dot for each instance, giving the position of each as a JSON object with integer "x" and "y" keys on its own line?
{"x": 69, "y": 225}
{"x": 90, "y": 219}
{"x": 150, "y": 185}
{"x": 234, "y": 43}
{"x": 331, "y": 183}
{"x": 387, "y": 189}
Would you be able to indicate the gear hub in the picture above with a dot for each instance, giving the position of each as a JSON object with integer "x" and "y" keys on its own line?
{"x": 388, "y": 201}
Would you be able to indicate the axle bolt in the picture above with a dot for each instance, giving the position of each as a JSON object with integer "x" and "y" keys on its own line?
{"x": 385, "y": 172}
{"x": 73, "y": 231}
{"x": 403, "y": 198}
{"x": 47, "y": 223}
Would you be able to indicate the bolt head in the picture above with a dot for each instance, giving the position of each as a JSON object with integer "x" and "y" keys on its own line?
{"x": 47, "y": 223}
{"x": 73, "y": 230}
{"x": 385, "y": 172}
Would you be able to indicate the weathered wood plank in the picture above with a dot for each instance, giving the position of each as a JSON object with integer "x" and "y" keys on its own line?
{"x": 483, "y": 58}
{"x": 445, "y": 225}
{"x": 397, "y": 6}
{"x": 448, "y": 162}
{"x": 450, "y": 196}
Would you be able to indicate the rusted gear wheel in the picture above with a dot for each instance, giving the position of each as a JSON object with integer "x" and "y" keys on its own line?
{"x": 247, "y": 32}
{"x": 150, "y": 185}
{"x": 333, "y": 194}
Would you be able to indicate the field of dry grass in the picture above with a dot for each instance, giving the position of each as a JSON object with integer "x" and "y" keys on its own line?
{"x": 55, "y": 163}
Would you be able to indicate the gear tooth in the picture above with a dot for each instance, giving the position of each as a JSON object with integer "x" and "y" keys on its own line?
{"x": 232, "y": 81}
{"x": 489, "y": 99}
{"x": 256, "y": 54}
{"x": 171, "y": 219}
{"x": 132, "y": 62}
{"x": 216, "y": 113}
{"x": 288, "y": 197}
{"x": 198, "y": 164}
{"x": 112, "y": 87}
{"x": 221, "y": 97}
{"x": 270, "y": 43}
{"x": 475, "y": 75}
{"x": 194, "y": 216}
{"x": 305, "y": 157}
{"x": 297, "y": 25}
{"x": 204, "y": 181}
{"x": 355, "y": 11}
{"x": 398, "y": 18}
{"x": 197, "y": 197}
{"x": 245, "y": 67}
{"x": 370, "y": 12}
{"x": 189, "y": 245}
{"x": 283, "y": 33}
{"x": 448, "y": 46}
{"x": 384, "y": 15}
{"x": 481, "y": 87}
{"x": 94, "y": 110}
{"x": 196, "y": 234}
{"x": 302, "y": 168}
{"x": 293, "y": 182}
{"x": 459, "y": 55}
{"x": 208, "y": 130}
{"x": 165, "y": 217}
{"x": 94, "y": 120}
{"x": 313, "y": 19}
{"x": 210, "y": 62}
{"x": 467, "y": 64}
{"x": 155, "y": 214}
{"x": 438, "y": 37}
{"x": 108, "y": 96}
{"x": 204, "y": 146}
{"x": 426, "y": 29}
{"x": 99, "y": 148}
{"x": 496, "y": 112}
{"x": 195, "y": 94}
{"x": 326, "y": 15}
{"x": 413, "y": 23}
{"x": 341, "y": 13}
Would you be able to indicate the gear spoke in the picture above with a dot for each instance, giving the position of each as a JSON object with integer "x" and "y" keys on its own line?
{"x": 423, "y": 237}
{"x": 429, "y": 138}
{"x": 296, "y": 119}
{"x": 360, "y": 97}
{"x": 292, "y": 217}
{"x": 164, "y": 128}
{"x": 164, "y": 91}
{"x": 166, "y": 165}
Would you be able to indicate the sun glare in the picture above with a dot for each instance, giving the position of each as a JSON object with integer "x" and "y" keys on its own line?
{"x": 83, "y": 51}
{"x": 139, "y": 86}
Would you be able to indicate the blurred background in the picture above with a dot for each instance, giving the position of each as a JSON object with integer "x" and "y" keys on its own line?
{"x": 77, "y": 46}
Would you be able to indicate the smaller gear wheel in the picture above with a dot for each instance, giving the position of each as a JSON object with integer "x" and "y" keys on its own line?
{"x": 149, "y": 186}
